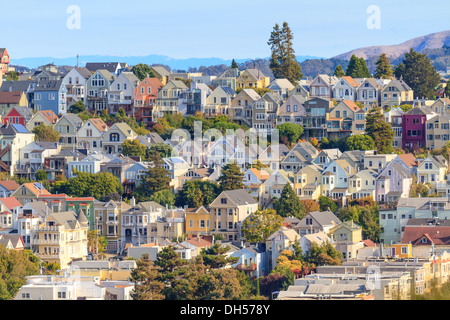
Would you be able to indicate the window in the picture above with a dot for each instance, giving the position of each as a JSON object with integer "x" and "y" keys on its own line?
{"x": 191, "y": 224}
{"x": 25, "y": 296}
{"x": 404, "y": 250}
{"x": 223, "y": 200}
{"x": 61, "y": 295}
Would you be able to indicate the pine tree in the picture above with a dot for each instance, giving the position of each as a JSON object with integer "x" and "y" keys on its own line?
{"x": 383, "y": 69}
{"x": 289, "y": 204}
{"x": 339, "y": 72}
{"x": 419, "y": 73}
{"x": 232, "y": 178}
{"x": 275, "y": 47}
{"x": 357, "y": 68}
{"x": 234, "y": 65}
{"x": 380, "y": 131}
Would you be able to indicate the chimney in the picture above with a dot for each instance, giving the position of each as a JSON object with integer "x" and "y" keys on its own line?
{"x": 132, "y": 202}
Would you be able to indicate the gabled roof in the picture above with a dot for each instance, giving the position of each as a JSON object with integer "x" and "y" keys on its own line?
{"x": 434, "y": 235}
{"x": 318, "y": 237}
{"x": 10, "y": 202}
{"x": 24, "y": 111}
{"x": 289, "y": 233}
{"x": 48, "y": 85}
{"x": 36, "y": 188}
{"x": 239, "y": 197}
{"x": 110, "y": 66}
{"x": 409, "y": 159}
{"x": 99, "y": 124}
{"x": 252, "y": 94}
{"x": 84, "y": 72}
{"x": 161, "y": 71}
{"x": 12, "y": 97}
{"x": 399, "y": 84}
{"x": 260, "y": 174}
{"x": 350, "y": 81}
{"x": 256, "y": 73}
{"x": 351, "y": 105}
{"x": 72, "y": 118}
{"x": 282, "y": 83}
{"x": 10, "y": 185}
{"x": 22, "y": 85}
{"x": 325, "y": 218}
{"x": 49, "y": 115}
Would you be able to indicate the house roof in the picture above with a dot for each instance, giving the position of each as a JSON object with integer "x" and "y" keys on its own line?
{"x": 84, "y": 72}
{"x": 282, "y": 83}
{"x": 239, "y": 197}
{"x": 350, "y": 81}
{"x": 67, "y": 219}
{"x": 291, "y": 234}
{"x": 109, "y": 66}
{"x": 10, "y": 97}
{"x": 10, "y": 185}
{"x": 161, "y": 71}
{"x": 22, "y": 85}
{"x": 437, "y": 235}
{"x": 49, "y": 115}
{"x": 260, "y": 174}
{"x": 36, "y": 188}
{"x": 351, "y": 105}
{"x": 10, "y": 202}
{"x": 318, "y": 237}
{"x": 256, "y": 73}
{"x": 325, "y": 218}
{"x": 24, "y": 111}
{"x": 99, "y": 124}
{"x": 48, "y": 85}
{"x": 409, "y": 159}
{"x": 74, "y": 119}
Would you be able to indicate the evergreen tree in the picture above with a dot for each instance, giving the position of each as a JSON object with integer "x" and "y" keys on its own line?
{"x": 357, "y": 68}
{"x": 275, "y": 47}
{"x": 232, "y": 178}
{"x": 380, "y": 131}
{"x": 145, "y": 279}
{"x": 383, "y": 69}
{"x": 339, "y": 72}
{"x": 419, "y": 73}
{"x": 234, "y": 65}
{"x": 289, "y": 204}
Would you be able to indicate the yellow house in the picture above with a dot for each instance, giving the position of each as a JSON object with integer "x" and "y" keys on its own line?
{"x": 307, "y": 182}
{"x": 61, "y": 238}
{"x": 348, "y": 238}
{"x": 252, "y": 78}
{"x": 198, "y": 221}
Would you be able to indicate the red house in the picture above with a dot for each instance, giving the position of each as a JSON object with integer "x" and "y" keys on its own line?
{"x": 414, "y": 127}
{"x": 4, "y": 61}
{"x": 145, "y": 96}
{"x": 18, "y": 115}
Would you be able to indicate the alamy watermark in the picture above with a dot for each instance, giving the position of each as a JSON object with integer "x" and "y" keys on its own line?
{"x": 374, "y": 20}
{"x": 74, "y": 19}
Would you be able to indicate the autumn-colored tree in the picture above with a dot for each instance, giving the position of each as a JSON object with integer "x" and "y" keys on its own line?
{"x": 46, "y": 133}
{"x": 310, "y": 205}
{"x": 259, "y": 225}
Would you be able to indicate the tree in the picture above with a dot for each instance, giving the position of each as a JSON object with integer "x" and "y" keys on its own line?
{"x": 289, "y": 204}
{"x": 367, "y": 216}
{"x": 283, "y": 62}
{"x": 310, "y": 205}
{"x": 156, "y": 178}
{"x": 214, "y": 257}
{"x": 197, "y": 193}
{"x": 145, "y": 277}
{"x": 163, "y": 149}
{"x": 234, "y": 65}
{"x": 339, "y": 72}
{"x": 384, "y": 68}
{"x": 142, "y": 71}
{"x": 447, "y": 89}
{"x": 231, "y": 177}
{"x": 326, "y": 203}
{"x": 291, "y": 131}
{"x": 46, "y": 133}
{"x": 96, "y": 242}
{"x": 41, "y": 175}
{"x": 259, "y": 225}
{"x": 12, "y": 76}
{"x": 324, "y": 254}
{"x": 164, "y": 197}
{"x": 419, "y": 73}
{"x": 360, "y": 142}
{"x": 134, "y": 148}
{"x": 380, "y": 131}
{"x": 357, "y": 68}
{"x": 77, "y": 107}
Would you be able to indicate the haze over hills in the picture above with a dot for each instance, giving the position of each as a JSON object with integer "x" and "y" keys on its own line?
{"x": 431, "y": 41}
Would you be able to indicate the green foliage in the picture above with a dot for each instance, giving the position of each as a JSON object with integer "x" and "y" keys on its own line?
{"x": 134, "y": 148}
{"x": 164, "y": 197}
{"x": 289, "y": 204}
{"x": 41, "y": 175}
{"x": 163, "y": 149}
{"x": 12, "y": 76}
{"x": 259, "y": 225}
{"x": 339, "y": 72}
{"x": 360, "y": 142}
{"x": 156, "y": 178}
{"x": 94, "y": 185}
{"x": 340, "y": 144}
{"x": 366, "y": 216}
{"x": 380, "y": 131}
{"x": 324, "y": 254}
{"x": 141, "y": 71}
{"x": 357, "y": 68}
{"x": 419, "y": 189}
{"x": 147, "y": 285}
{"x": 234, "y": 65}
{"x": 77, "y": 107}
{"x": 231, "y": 177}
{"x": 14, "y": 267}
{"x": 215, "y": 256}
{"x": 419, "y": 73}
{"x": 327, "y": 203}
{"x": 384, "y": 68}
{"x": 46, "y": 133}
{"x": 291, "y": 131}
{"x": 196, "y": 193}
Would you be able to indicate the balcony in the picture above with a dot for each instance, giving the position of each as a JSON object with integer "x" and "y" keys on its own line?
{"x": 43, "y": 241}
{"x": 48, "y": 228}
{"x": 243, "y": 267}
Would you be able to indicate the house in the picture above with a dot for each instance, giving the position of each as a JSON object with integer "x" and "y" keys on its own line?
{"x": 342, "y": 120}
{"x": 302, "y": 154}
{"x": 68, "y": 126}
{"x": 145, "y": 96}
{"x": 7, "y": 187}
{"x": 219, "y": 101}
{"x": 198, "y": 221}
{"x": 57, "y": 164}
{"x": 252, "y": 78}
{"x": 45, "y": 117}
{"x": 51, "y": 95}
{"x": 264, "y": 113}
{"x": 89, "y": 164}
{"x": 356, "y": 158}
{"x": 273, "y": 186}
{"x": 161, "y": 74}
{"x": 317, "y": 221}
{"x": 196, "y": 174}
{"x": 347, "y": 238}
{"x": 61, "y": 238}
{"x": 252, "y": 261}
{"x": 363, "y": 184}
{"x": 432, "y": 170}
{"x": 414, "y": 127}
{"x": 308, "y": 240}
{"x": 4, "y": 61}
{"x": 282, "y": 87}
{"x": 345, "y": 89}
{"x": 31, "y": 158}
{"x": 111, "y": 140}
{"x": 326, "y": 156}
{"x": 96, "y": 91}
{"x": 335, "y": 179}
{"x": 241, "y": 106}
{"x": 10, "y": 99}
{"x": 25, "y": 86}
{"x": 441, "y": 106}
{"x": 377, "y": 161}
{"x": 368, "y": 93}
{"x": 394, "y": 93}
{"x": 193, "y": 100}
{"x": 18, "y": 115}
{"x": 228, "y": 211}
{"x": 429, "y": 233}
{"x": 112, "y": 67}
{"x": 171, "y": 225}
{"x": 121, "y": 94}
{"x": 29, "y": 192}
{"x": 133, "y": 176}
{"x": 12, "y": 241}
{"x": 292, "y": 110}
{"x": 273, "y": 155}
{"x": 301, "y": 89}
{"x": 322, "y": 86}
{"x": 177, "y": 167}
{"x": 117, "y": 166}
{"x": 89, "y": 135}
{"x": 437, "y": 131}
{"x": 277, "y": 242}
{"x": 316, "y": 116}
{"x": 167, "y": 101}
{"x": 29, "y": 217}
{"x": 307, "y": 182}
{"x": 13, "y": 137}
{"x": 228, "y": 79}
{"x": 394, "y": 117}
{"x": 75, "y": 82}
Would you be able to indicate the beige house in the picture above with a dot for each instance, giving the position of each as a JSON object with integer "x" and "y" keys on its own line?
{"x": 300, "y": 90}
{"x": 362, "y": 184}
{"x": 347, "y": 238}
{"x": 241, "y": 106}
{"x": 432, "y": 170}
{"x": 264, "y": 113}
{"x": 307, "y": 182}
{"x": 29, "y": 192}
{"x": 394, "y": 93}
{"x": 46, "y": 117}
{"x": 322, "y": 86}
{"x": 228, "y": 211}
{"x": 171, "y": 225}
{"x": 277, "y": 242}
{"x": 438, "y": 131}
{"x": 378, "y": 161}
{"x": 112, "y": 140}
{"x": 68, "y": 126}
{"x": 61, "y": 238}
{"x": 342, "y": 120}
{"x": 90, "y": 134}
{"x": 369, "y": 92}
{"x": 317, "y": 221}
{"x": 168, "y": 96}
{"x": 441, "y": 105}
{"x": 252, "y": 78}
{"x": 219, "y": 101}
{"x": 292, "y": 110}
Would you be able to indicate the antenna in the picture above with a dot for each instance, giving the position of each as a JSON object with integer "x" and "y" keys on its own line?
{"x": 78, "y": 57}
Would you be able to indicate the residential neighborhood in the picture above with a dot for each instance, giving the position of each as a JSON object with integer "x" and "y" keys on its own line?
{"x": 146, "y": 182}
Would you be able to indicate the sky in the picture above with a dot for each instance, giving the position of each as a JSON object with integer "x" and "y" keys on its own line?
{"x": 202, "y": 29}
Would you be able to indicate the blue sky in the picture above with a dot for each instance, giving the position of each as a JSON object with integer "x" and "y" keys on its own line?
{"x": 200, "y": 28}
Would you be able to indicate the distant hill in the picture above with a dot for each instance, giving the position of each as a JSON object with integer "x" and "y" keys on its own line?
{"x": 428, "y": 42}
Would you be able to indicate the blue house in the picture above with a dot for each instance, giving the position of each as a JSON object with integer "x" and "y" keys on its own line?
{"x": 252, "y": 260}
{"x": 51, "y": 95}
